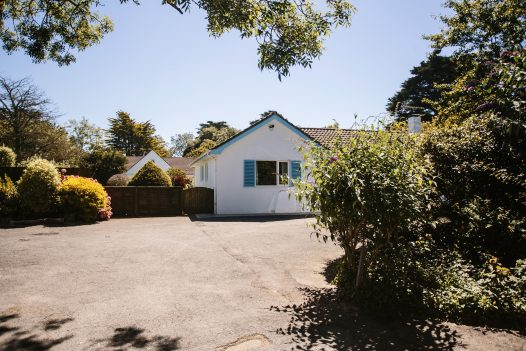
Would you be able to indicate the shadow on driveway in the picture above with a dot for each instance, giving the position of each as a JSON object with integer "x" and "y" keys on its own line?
{"x": 247, "y": 218}
{"x": 29, "y": 340}
{"x": 321, "y": 321}
{"x": 36, "y": 338}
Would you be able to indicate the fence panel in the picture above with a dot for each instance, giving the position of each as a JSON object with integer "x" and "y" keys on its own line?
{"x": 198, "y": 200}
{"x": 132, "y": 201}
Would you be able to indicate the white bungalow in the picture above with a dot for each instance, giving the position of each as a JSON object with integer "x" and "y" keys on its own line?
{"x": 247, "y": 172}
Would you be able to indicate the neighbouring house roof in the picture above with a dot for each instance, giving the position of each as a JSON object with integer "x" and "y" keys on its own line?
{"x": 326, "y": 136}
{"x": 131, "y": 161}
{"x": 182, "y": 163}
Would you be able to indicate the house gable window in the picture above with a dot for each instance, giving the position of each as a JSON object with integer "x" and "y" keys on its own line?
{"x": 272, "y": 172}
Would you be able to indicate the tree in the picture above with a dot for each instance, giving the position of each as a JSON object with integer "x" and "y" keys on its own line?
{"x": 482, "y": 27}
{"x": 134, "y": 138}
{"x": 288, "y": 32}
{"x": 179, "y": 143}
{"x": 488, "y": 40}
{"x": 22, "y": 105}
{"x": 27, "y": 123}
{"x": 85, "y": 135}
{"x": 425, "y": 85}
{"x": 103, "y": 163}
{"x": 209, "y": 135}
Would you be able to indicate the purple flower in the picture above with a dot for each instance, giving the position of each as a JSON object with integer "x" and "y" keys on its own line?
{"x": 485, "y": 106}
{"x": 333, "y": 159}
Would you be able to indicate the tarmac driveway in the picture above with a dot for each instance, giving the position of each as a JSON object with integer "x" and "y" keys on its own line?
{"x": 170, "y": 283}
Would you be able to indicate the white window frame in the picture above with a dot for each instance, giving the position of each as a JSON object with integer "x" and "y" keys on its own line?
{"x": 278, "y": 183}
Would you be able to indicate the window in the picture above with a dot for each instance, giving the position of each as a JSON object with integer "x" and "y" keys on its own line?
{"x": 272, "y": 172}
{"x": 203, "y": 173}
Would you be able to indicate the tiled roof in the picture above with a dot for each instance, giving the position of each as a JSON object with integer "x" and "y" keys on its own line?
{"x": 182, "y": 163}
{"x": 131, "y": 161}
{"x": 326, "y": 136}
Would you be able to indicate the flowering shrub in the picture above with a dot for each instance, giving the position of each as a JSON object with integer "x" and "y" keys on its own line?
{"x": 369, "y": 192}
{"x": 85, "y": 199}
{"x": 7, "y": 157}
{"x": 8, "y": 197}
{"x": 38, "y": 188}
{"x": 118, "y": 180}
{"x": 179, "y": 177}
{"x": 150, "y": 175}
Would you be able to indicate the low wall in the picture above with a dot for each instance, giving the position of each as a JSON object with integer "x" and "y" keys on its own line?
{"x": 138, "y": 201}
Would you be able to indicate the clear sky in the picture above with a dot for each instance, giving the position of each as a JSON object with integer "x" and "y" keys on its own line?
{"x": 161, "y": 66}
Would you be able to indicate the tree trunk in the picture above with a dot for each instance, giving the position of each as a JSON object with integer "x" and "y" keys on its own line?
{"x": 361, "y": 266}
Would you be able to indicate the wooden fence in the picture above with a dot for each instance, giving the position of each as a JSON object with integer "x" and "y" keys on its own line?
{"x": 139, "y": 201}
{"x": 145, "y": 201}
{"x": 198, "y": 200}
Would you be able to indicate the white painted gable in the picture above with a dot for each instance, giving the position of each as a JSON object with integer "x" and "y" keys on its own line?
{"x": 150, "y": 156}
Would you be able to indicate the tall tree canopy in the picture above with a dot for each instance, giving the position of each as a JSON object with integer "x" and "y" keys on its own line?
{"x": 132, "y": 137}
{"x": 425, "y": 85}
{"x": 288, "y": 32}
{"x": 488, "y": 39}
{"x": 87, "y": 136}
{"x": 27, "y": 123}
{"x": 209, "y": 135}
{"x": 482, "y": 27}
{"x": 179, "y": 143}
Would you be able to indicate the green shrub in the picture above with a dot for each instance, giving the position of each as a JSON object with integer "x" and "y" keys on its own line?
{"x": 178, "y": 177}
{"x": 481, "y": 176}
{"x": 102, "y": 164}
{"x": 118, "y": 180}
{"x": 84, "y": 198}
{"x": 38, "y": 188}
{"x": 8, "y": 197}
{"x": 150, "y": 175}
{"x": 371, "y": 191}
{"x": 7, "y": 157}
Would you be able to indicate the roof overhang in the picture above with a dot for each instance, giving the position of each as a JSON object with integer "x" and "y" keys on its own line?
{"x": 271, "y": 117}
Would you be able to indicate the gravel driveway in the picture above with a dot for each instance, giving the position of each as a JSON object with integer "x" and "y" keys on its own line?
{"x": 172, "y": 283}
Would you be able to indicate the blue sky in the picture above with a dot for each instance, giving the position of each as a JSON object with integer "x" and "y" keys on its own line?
{"x": 161, "y": 66}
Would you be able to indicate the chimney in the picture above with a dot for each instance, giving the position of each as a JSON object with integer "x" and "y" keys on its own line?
{"x": 414, "y": 124}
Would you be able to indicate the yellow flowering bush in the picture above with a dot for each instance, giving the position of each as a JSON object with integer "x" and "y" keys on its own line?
{"x": 84, "y": 199}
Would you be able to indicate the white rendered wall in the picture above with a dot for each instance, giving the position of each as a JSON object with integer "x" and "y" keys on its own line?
{"x": 206, "y": 181}
{"x": 263, "y": 144}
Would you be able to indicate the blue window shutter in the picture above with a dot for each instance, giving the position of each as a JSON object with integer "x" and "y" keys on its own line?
{"x": 295, "y": 169}
{"x": 249, "y": 173}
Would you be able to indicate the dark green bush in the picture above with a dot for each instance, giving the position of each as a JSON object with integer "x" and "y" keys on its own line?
{"x": 102, "y": 164}
{"x": 7, "y": 157}
{"x": 150, "y": 175}
{"x": 481, "y": 177}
